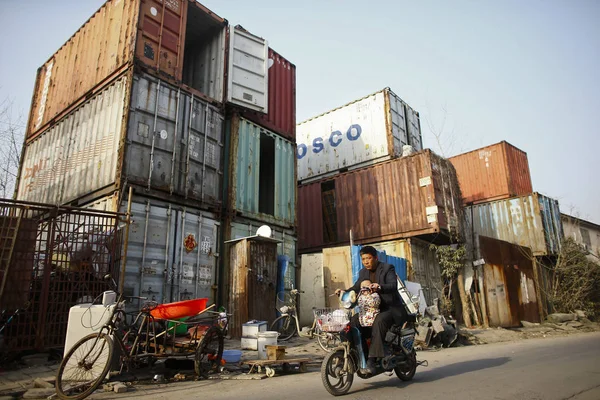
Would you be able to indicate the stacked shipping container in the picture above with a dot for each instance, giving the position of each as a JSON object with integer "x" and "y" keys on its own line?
{"x": 147, "y": 106}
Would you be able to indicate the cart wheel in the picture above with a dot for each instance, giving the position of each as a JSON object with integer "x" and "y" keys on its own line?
{"x": 303, "y": 367}
{"x": 209, "y": 352}
{"x": 286, "y": 367}
{"x": 270, "y": 372}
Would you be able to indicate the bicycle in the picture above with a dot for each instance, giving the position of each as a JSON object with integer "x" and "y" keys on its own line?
{"x": 323, "y": 327}
{"x": 89, "y": 361}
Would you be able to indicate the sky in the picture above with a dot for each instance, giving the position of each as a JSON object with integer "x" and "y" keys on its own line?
{"x": 477, "y": 72}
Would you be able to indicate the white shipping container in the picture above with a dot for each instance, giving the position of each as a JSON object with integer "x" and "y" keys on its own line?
{"x": 79, "y": 154}
{"x": 369, "y": 130}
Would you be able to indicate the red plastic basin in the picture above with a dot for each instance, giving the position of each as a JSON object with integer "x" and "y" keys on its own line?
{"x": 180, "y": 309}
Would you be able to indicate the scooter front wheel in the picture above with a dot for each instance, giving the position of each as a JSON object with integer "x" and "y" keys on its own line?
{"x": 335, "y": 379}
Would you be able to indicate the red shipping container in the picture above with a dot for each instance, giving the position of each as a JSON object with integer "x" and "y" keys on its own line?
{"x": 491, "y": 173}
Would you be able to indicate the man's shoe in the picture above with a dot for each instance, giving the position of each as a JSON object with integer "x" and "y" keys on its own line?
{"x": 370, "y": 369}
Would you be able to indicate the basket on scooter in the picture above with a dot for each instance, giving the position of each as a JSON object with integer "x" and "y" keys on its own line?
{"x": 331, "y": 319}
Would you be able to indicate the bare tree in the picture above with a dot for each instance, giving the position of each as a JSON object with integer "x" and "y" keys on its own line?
{"x": 12, "y": 129}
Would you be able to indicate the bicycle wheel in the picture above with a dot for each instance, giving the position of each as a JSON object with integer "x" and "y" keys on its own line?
{"x": 328, "y": 340}
{"x": 209, "y": 352}
{"x": 285, "y": 325}
{"x": 84, "y": 367}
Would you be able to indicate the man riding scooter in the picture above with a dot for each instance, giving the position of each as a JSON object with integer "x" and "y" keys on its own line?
{"x": 385, "y": 283}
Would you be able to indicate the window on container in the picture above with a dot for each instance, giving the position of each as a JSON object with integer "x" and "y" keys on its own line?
{"x": 329, "y": 212}
{"x": 202, "y": 55}
{"x": 266, "y": 179}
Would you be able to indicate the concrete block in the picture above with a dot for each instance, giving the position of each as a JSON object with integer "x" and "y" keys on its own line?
{"x": 120, "y": 388}
{"x": 561, "y": 317}
{"x": 42, "y": 384}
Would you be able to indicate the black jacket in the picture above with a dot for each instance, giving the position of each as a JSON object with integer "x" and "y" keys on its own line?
{"x": 386, "y": 277}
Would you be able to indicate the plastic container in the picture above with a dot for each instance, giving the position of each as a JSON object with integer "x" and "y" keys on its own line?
{"x": 180, "y": 329}
{"x": 267, "y": 338}
{"x": 232, "y": 356}
{"x": 249, "y": 343}
{"x": 180, "y": 309}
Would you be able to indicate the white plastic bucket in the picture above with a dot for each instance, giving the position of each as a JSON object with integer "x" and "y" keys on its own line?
{"x": 267, "y": 338}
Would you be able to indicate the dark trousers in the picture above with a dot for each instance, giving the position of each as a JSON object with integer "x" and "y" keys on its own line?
{"x": 383, "y": 321}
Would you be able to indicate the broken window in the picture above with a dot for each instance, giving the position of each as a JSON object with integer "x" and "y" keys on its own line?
{"x": 266, "y": 180}
{"x": 585, "y": 238}
{"x": 329, "y": 212}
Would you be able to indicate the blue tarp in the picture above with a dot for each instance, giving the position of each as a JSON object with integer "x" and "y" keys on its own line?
{"x": 398, "y": 263}
{"x": 282, "y": 266}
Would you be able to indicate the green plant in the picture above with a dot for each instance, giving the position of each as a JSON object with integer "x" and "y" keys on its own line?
{"x": 575, "y": 281}
{"x": 451, "y": 260}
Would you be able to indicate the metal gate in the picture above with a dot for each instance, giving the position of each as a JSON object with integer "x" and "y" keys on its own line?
{"x": 51, "y": 258}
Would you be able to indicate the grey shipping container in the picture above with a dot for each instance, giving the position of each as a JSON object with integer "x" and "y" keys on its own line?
{"x": 138, "y": 130}
{"x": 172, "y": 251}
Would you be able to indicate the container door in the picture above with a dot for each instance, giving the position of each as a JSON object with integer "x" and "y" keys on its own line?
{"x": 247, "y": 84}
{"x": 148, "y": 260}
{"x": 196, "y": 255}
{"x": 160, "y": 35}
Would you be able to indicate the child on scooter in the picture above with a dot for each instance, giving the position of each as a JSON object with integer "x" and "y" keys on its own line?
{"x": 368, "y": 302}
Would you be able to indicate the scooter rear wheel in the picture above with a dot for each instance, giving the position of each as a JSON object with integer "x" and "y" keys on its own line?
{"x": 407, "y": 371}
{"x": 335, "y": 379}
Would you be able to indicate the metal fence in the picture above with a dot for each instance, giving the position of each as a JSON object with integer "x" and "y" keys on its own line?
{"x": 51, "y": 258}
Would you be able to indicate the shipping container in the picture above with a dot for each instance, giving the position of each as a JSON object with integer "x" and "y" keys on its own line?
{"x": 172, "y": 143}
{"x": 366, "y": 131}
{"x": 405, "y": 197}
{"x": 172, "y": 250}
{"x": 262, "y": 174}
{"x": 531, "y": 221}
{"x": 281, "y": 116}
{"x": 509, "y": 283}
{"x": 178, "y": 40}
{"x": 491, "y": 173}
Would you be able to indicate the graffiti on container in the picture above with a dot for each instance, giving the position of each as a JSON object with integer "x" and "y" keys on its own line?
{"x": 205, "y": 245}
{"x": 204, "y": 275}
{"x": 335, "y": 139}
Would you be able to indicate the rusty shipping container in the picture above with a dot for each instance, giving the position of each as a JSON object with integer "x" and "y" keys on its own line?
{"x": 178, "y": 40}
{"x": 531, "y": 221}
{"x": 491, "y": 173}
{"x": 138, "y": 130}
{"x": 405, "y": 197}
{"x": 262, "y": 173}
{"x": 366, "y": 131}
{"x": 281, "y": 115}
{"x": 509, "y": 283}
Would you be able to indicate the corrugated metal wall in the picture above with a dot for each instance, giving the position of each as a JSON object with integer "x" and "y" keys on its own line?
{"x": 80, "y": 153}
{"x": 84, "y": 61}
{"x": 531, "y": 221}
{"x": 175, "y": 143}
{"x": 509, "y": 283}
{"x": 246, "y": 170}
{"x": 310, "y": 216}
{"x": 491, "y": 173}
{"x": 281, "y": 117}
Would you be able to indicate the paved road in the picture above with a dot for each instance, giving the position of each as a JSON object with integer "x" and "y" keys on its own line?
{"x": 544, "y": 369}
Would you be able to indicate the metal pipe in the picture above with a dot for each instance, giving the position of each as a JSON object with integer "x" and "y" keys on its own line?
{"x": 144, "y": 248}
{"x": 153, "y": 134}
{"x": 180, "y": 272}
{"x": 175, "y": 142}
{"x": 198, "y": 255}
{"x": 126, "y": 244}
{"x": 204, "y": 155}
{"x": 166, "y": 273}
{"x": 187, "y": 160}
